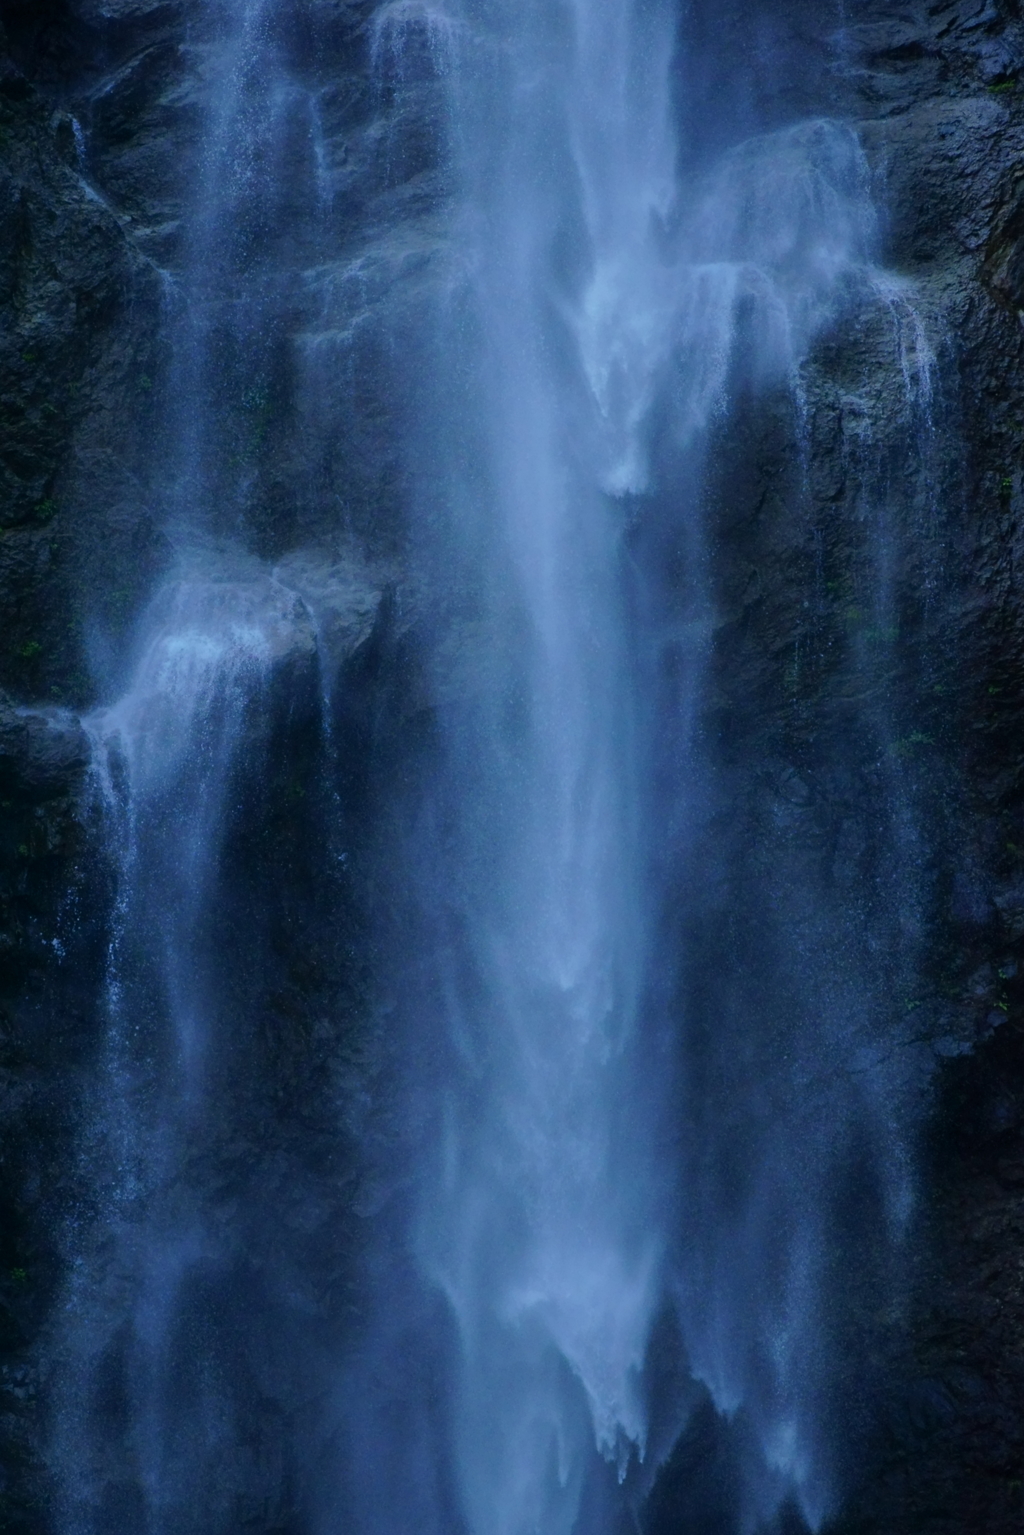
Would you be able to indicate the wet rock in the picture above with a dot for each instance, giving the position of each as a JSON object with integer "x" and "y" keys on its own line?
{"x": 41, "y": 754}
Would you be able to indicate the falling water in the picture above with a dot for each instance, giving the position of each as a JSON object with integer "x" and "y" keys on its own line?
{"x": 543, "y": 1223}
{"x": 151, "y": 1394}
{"x": 570, "y": 1162}
{"x": 163, "y": 758}
{"x": 605, "y": 312}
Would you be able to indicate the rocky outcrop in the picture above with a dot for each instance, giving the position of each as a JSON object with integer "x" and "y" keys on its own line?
{"x": 80, "y": 319}
{"x": 81, "y": 307}
{"x": 869, "y": 655}
{"x": 947, "y": 140}
{"x": 101, "y": 107}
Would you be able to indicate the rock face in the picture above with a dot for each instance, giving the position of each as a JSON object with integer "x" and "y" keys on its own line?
{"x": 867, "y": 648}
{"x": 935, "y": 96}
{"x": 102, "y": 107}
{"x": 871, "y": 626}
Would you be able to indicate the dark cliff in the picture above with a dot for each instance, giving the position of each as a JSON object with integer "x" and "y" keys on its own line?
{"x": 917, "y": 472}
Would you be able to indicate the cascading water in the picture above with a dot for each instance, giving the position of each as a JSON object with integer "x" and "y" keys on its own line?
{"x": 606, "y": 315}
{"x": 172, "y": 1330}
{"x": 601, "y": 1158}
{"x": 163, "y": 759}
{"x": 543, "y": 1223}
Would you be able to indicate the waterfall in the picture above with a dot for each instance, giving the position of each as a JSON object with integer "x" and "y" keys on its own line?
{"x": 542, "y": 1223}
{"x": 443, "y": 1185}
{"x": 603, "y": 316}
{"x": 214, "y": 749}
{"x": 163, "y": 759}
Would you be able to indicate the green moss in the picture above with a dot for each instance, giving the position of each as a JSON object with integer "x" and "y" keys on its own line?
{"x": 908, "y": 744}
